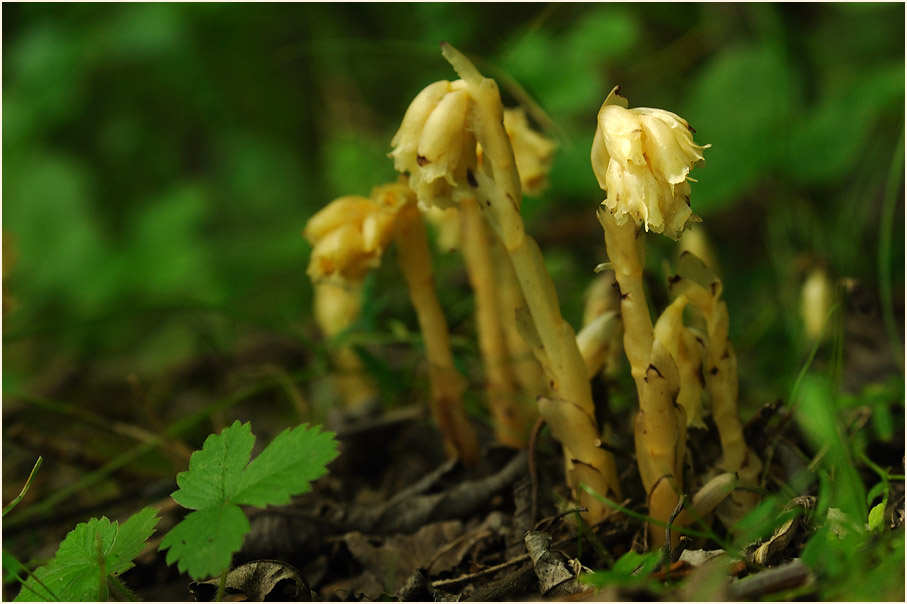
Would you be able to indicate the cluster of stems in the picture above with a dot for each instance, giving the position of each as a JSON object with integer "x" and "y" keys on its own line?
{"x": 456, "y": 149}
{"x": 642, "y": 158}
{"x": 437, "y": 147}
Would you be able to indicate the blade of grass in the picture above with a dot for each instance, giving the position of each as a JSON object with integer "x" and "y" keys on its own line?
{"x": 886, "y": 224}
{"x": 644, "y": 518}
{"x": 812, "y": 356}
{"x": 9, "y": 507}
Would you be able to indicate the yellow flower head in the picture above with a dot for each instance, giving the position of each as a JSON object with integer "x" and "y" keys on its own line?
{"x": 642, "y": 158}
{"x": 350, "y": 234}
{"x": 434, "y": 144}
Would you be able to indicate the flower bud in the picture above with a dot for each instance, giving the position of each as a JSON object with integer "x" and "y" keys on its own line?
{"x": 350, "y": 234}
{"x": 816, "y": 297}
{"x": 642, "y": 158}
{"x": 434, "y": 144}
{"x": 532, "y": 152}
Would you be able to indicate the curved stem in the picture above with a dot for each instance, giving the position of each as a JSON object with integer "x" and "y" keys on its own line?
{"x": 447, "y": 384}
{"x": 510, "y": 420}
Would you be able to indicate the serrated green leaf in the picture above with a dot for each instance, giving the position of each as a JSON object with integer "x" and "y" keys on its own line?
{"x": 130, "y": 540}
{"x": 220, "y": 478}
{"x": 88, "y": 554}
{"x": 205, "y": 540}
{"x": 286, "y": 467}
{"x": 214, "y": 472}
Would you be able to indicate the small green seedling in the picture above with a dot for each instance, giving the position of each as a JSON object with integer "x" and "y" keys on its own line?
{"x": 221, "y": 478}
{"x": 89, "y": 561}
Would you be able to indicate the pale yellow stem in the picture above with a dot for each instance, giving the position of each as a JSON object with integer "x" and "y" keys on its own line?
{"x": 687, "y": 353}
{"x": 570, "y": 411}
{"x": 447, "y": 384}
{"x": 526, "y": 369}
{"x": 627, "y": 255}
{"x": 661, "y": 440}
{"x": 723, "y": 387}
{"x": 511, "y": 422}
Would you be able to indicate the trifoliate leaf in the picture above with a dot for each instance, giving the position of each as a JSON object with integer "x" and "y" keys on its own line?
{"x": 220, "y": 478}
{"x": 214, "y": 472}
{"x": 286, "y": 467}
{"x": 205, "y": 540}
{"x": 89, "y": 553}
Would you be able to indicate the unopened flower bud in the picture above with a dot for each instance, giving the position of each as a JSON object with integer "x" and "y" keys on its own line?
{"x": 815, "y": 302}
{"x": 434, "y": 144}
{"x": 642, "y": 158}
{"x": 350, "y": 234}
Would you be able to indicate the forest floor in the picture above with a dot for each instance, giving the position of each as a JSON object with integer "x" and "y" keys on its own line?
{"x": 393, "y": 519}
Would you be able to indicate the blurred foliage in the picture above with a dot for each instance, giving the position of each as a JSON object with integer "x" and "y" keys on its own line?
{"x": 160, "y": 161}
{"x": 164, "y": 157}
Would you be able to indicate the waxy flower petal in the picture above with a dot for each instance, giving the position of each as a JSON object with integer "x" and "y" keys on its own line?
{"x": 642, "y": 158}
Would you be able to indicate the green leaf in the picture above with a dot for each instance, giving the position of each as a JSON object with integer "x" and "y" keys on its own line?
{"x": 12, "y": 568}
{"x": 130, "y": 539}
{"x": 286, "y": 467}
{"x": 880, "y": 489}
{"x": 877, "y": 518}
{"x": 742, "y": 105}
{"x": 630, "y": 569}
{"x": 89, "y": 553}
{"x": 220, "y": 478}
{"x": 214, "y": 472}
{"x": 205, "y": 540}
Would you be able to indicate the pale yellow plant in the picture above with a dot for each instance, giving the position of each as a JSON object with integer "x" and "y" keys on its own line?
{"x": 435, "y": 146}
{"x": 698, "y": 283}
{"x": 642, "y": 159}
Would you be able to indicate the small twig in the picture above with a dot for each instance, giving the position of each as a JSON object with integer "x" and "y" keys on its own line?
{"x": 479, "y": 574}
{"x": 493, "y": 569}
{"x": 533, "y": 468}
{"x": 666, "y": 550}
{"x": 788, "y": 576}
{"x": 552, "y": 519}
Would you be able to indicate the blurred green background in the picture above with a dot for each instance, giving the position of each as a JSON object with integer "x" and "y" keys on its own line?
{"x": 160, "y": 160}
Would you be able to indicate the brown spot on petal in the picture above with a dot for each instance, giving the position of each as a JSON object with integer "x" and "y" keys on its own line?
{"x": 422, "y": 160}
{"x": 652, "y": 367}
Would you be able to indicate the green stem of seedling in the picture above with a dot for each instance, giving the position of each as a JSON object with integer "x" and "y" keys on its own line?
{"x": 124, "y": 593}
{"x": 812, "y": 355}
{"x": 644, "y": 518}
{"x": 24, "y": 490}
{"x": 53, "y": 596}
{"x": 886, "y": 225}
{"x": 221, "y": 586}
